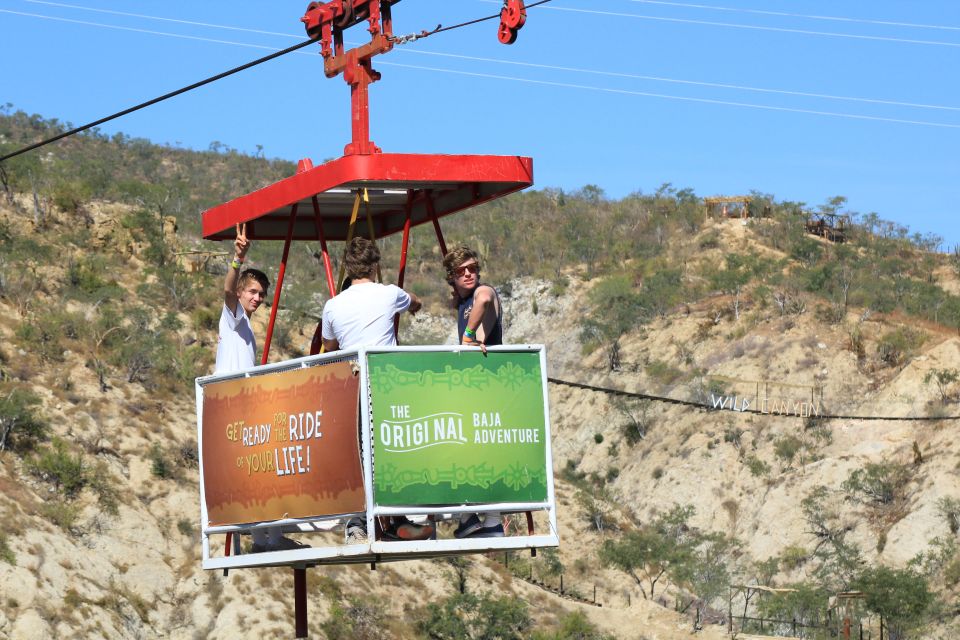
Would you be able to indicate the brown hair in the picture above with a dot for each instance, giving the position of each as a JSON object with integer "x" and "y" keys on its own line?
{"x": 361, "y": 258}
{"x": 253, "y": 274}
{"x": 456, "y": 257}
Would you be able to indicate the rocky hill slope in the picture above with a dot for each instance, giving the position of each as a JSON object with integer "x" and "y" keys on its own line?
{"x": 99, "y": 535}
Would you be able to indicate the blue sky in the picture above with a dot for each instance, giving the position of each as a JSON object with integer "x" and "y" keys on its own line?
{"x": 623, "y": 94}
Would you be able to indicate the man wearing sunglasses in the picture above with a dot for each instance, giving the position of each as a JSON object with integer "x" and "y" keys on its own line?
{"x": 480, "y": 324}
{"x": 479, "y": 316}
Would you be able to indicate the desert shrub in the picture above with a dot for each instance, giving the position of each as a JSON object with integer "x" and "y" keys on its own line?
{"x": 468, "y": 616}
{"x": 896, "y": 347}
{"x": 598, "y": 438}
{"x": 949, "y": 509}
{"x": 22, "y": 426}
{"x": 758, "y": 468}
{"x": 877, "y": 483}
{"x": 159, "y": 465}
{"x": 186, "y": 527}
{"x": 805, "y": 603}
{"x": 62, "y": 513}
{"x": 40, "y": 336}
{"x": 55, "y": 463}
{"x": 6, "y": 553}
{"x": 204, "y": 319}
{"x": 787, "y": 448}
{"x": 663, "y": 372}
{"x": 84, "y": 281}
{"x": 356, "y": 619}
{"x": 942, "y": 378}
{"x": 901, "y": 596}
{"x": 793, "y": 556}
{"x": 573, "y": 626}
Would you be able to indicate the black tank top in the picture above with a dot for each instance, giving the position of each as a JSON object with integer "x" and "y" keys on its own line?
{"x": 495, "y": 336}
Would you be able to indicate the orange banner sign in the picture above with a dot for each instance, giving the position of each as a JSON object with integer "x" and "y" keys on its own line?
{"x": 282, "y": 445}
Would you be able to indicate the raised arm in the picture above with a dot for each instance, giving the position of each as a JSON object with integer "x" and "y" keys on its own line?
{"x": 241, "y": 246}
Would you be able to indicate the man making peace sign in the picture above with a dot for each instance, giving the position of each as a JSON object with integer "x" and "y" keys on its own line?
{"x": 243, "y": 293}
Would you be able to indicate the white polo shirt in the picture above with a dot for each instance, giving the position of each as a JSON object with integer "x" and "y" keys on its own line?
{"x": 362, "y": 316}
{"x": 237, "y": 347}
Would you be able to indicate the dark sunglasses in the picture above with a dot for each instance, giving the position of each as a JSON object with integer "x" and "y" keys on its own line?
{"x": 462, "y": 271}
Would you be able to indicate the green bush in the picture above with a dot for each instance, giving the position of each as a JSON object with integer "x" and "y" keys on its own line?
{"x": 877, "y": 483}
{"x": 356, "y": 619}
{"x": 159, "y": 465}
{"x": 6, "y": 553}
{"x": 62, "y": 513}
{"x": 787, "y": 448}
{"x": 793, "y": 556}
{"x": 898, "y": 346}
{"x": 901, "y": 596}
{"x": 67, "y": 471}
{"x": 22, "y": 426}
{"x": 468, "y": 616}
{"x": 949, "y": 509}
{"x": 758, "y": 468}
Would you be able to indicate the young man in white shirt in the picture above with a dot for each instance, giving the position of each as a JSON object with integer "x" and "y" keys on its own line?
{"x": 243, "y": 293}
{"x": 362, "y": 316}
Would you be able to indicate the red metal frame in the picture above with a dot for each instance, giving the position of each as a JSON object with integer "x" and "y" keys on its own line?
{"x": 404, "y": 189}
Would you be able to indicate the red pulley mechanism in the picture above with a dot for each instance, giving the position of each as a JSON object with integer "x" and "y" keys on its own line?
{"x": 512, "y": 17}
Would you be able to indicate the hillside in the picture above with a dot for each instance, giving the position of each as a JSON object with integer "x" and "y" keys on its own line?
{"x": 105, "y": 321}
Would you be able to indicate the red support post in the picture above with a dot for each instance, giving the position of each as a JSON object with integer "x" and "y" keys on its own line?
{"x": 279, "y": 285}
{"x": 403, "y": 253}
{"x": 436, "y": 224}
{"x": 300, "y": 601}
{"x": 327, "y": 267}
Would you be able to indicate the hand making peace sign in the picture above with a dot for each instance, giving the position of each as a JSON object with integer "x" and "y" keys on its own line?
{"x": 241, "y": 243}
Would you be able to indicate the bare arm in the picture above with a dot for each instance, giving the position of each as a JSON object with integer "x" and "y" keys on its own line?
{"x": 482, "y": 316}
{"x": 415, "y": 303}
{"x": 330, "y": 345}
{"x": 241, "y": 246}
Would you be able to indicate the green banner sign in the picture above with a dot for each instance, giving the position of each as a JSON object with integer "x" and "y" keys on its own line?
{"x": 457, "y": 428}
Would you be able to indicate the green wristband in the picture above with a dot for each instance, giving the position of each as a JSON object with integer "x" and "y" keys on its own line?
{"x": 470, "y": 333}
{"x": 235, "y": 264}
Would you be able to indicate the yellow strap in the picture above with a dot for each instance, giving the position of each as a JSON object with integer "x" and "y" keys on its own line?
{"x": 353, "y": 224}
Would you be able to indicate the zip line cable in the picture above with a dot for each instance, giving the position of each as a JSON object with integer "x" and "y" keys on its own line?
{"x": 615, "y": 74}
{"x": 165, "y": 96}
{"x": 704, "y": 407}
{"x": 441, "y": 29}
{"x": 784, "y": 14}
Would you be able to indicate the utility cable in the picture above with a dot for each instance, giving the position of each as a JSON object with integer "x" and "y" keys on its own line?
{"x": 728, "y": 103}
{"x": 704, "y": 407}
{"x": 614, "y": 74}
{"x": 711, "y": 23}
{"x": 526, "y": 80}
{"x": 165, "y": 96}
{"x": 784, "y": 14}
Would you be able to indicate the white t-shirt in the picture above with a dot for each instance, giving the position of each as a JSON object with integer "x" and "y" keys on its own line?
{"x": 237, "y": 348}
{"x": 362, "y": 316}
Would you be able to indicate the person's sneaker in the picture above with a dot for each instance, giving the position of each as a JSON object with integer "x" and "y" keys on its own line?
{"x": 494, "y": 531}
{"x": 356, "y": 531}
{"x": 468, "y": 526}
{"x": 283, "y": 544}
{"x": 408, "y": 531}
